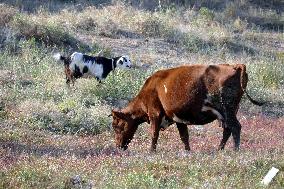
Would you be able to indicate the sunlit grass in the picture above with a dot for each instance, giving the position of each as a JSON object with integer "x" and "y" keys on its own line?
{"x": 49, "y": 133}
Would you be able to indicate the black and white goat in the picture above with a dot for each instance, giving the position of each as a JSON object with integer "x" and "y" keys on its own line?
{"x": 81, "y": 65}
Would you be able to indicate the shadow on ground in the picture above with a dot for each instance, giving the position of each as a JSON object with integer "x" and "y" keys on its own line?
{"x": 53, "y": 5}
{"x": 18, "y": 148}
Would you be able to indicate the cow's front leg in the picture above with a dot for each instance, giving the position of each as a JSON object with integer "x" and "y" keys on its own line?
{"x": 155, "y": 128}
{"x": 183, "y": 132}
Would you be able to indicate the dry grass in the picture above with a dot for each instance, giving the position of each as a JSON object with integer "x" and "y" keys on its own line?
{"x": 6, "y": 14}
{"x": 50, "y": 133}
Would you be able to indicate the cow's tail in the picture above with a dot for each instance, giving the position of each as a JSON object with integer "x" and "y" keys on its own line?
{"x": 244, "y": 80}
{"x": 253, "y": 101}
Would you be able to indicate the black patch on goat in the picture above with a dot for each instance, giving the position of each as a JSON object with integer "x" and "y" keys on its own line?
{"x": 87, "y": 58}
{"x": 121, "y": 61}
{"x": 77, "y": 73}
{"x": 108, "y": 64}
{"x": 66, "y": 60}
{"x": 85, "y": 69}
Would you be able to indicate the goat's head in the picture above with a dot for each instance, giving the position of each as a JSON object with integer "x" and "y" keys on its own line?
{"x": 123, "y": 62}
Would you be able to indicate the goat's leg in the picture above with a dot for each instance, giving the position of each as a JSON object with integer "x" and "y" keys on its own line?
{"x": 69, "y": 76}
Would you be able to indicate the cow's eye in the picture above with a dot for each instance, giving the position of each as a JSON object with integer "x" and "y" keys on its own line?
{"x": 118, "y": 129}
{"x": 121, "y": 124}
{"x": 115, "y": 122}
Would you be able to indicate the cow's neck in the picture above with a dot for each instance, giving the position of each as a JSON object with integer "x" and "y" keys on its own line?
{"x": 136, "y": 110}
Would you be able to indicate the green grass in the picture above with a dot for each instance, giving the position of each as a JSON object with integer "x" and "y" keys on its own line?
{"x": 50, "y": 133}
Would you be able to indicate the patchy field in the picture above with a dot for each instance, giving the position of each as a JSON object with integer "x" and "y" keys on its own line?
{"x": 52, "y": 160}
{"x": 52, "y": 136}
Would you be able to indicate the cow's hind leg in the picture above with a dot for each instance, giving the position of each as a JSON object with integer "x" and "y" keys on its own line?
{"x": 183, "y": 132}
{"x": 230, "y": 104}
{"x": 226, "y": 135}
{"x": 236, "y": 132}
{"x": 234, "y": 127}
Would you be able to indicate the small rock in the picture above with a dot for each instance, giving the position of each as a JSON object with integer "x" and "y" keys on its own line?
{"x": 76, "y": 182}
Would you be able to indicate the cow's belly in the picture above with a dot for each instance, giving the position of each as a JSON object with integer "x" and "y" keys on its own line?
{"x": 201, "y": 119}
{"x": 195, "y": 119}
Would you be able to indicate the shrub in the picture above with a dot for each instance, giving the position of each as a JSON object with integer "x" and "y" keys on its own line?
{"x": 63, "y": 118}
{"x": 87, "y": 24}
{"x": 206, "y": 14}
{"x": 49, "y": 33}
{"x": 152, "y": 26}
{"x": 8, "y": 40}
{"x": 268, "y": 74}
{"x": 231, "y": 10}
{"x": 240, "y": 25}
{"x": 6, "y": 14}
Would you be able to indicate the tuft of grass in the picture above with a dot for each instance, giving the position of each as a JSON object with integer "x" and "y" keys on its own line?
{"x": 240, "y": 25}
{"x": 268, "y": 74}
{"x": 50, "y": 133}
{"x": 152, "y": 26}
{"x": 206, "y": 14}
{"x": 48, "y": 33}
{"x": 7, "y": 14}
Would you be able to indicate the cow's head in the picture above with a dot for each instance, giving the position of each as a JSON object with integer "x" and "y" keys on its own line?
{"x": 123, "y": 62}
{"x": 124, "y": 128}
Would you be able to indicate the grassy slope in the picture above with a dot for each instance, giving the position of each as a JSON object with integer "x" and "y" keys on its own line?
{"x": 49, "y": 133}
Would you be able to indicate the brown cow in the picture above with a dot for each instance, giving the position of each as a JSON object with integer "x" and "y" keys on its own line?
{"x": 186, "y": 95}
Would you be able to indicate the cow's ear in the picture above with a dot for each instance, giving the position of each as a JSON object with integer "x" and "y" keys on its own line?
{"x": 117, "y": 114}
{"x": 242, "y": 67}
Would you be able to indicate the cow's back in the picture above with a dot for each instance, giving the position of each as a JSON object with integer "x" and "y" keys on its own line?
{"x": 182, "y": 91}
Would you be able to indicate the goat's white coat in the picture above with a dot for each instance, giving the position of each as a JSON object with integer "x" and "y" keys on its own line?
{"x": 57, "y": 56}
{"x": 94, "y": 69}
{"x": 125, "y": 62}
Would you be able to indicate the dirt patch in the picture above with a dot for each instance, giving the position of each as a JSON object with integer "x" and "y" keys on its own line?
{"x": 7, "y": 77}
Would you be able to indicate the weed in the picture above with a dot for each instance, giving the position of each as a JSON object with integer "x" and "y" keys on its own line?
{"x": 48, "y": 33}
{"x": 206, "y": 14}
{"x": 7, "y": 14}
{"x": 49, "y": 132}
